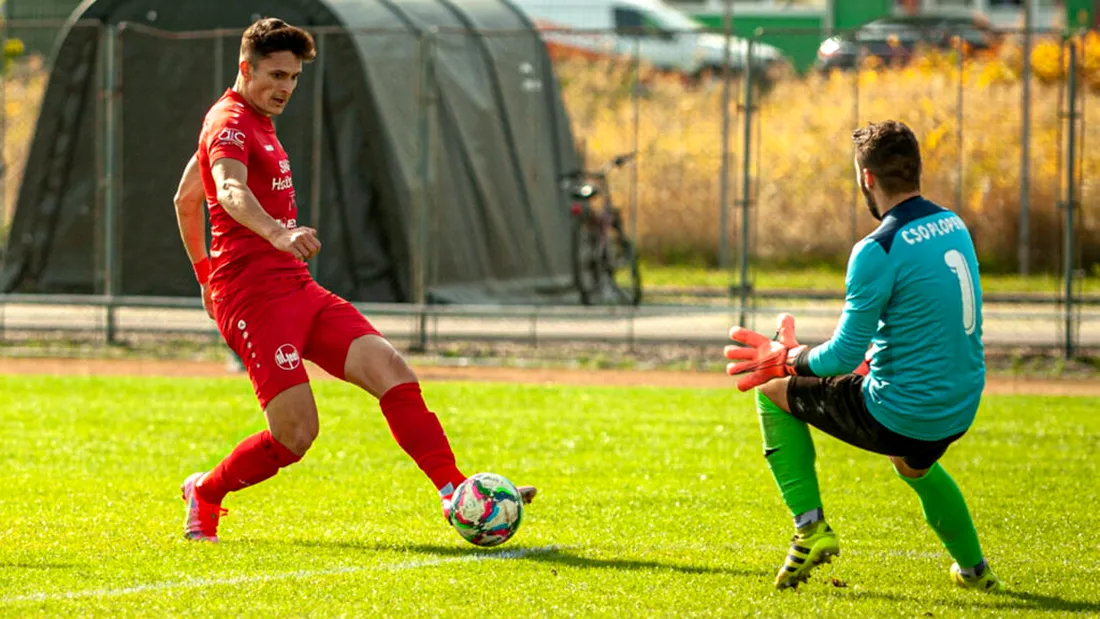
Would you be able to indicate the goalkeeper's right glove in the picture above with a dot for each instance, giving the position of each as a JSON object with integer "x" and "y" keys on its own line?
{"x": 763, "y": 360}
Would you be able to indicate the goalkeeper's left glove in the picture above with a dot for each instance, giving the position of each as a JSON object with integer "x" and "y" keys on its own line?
{"x": 763, "y": 359}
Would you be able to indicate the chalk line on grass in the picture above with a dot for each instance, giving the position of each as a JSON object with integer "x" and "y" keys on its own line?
{"x": 257, "y": 578}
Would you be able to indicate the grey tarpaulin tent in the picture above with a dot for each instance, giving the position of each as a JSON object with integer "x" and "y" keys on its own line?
{"x": 496, "y": 224}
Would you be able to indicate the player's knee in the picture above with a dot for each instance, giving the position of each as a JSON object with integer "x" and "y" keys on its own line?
{"x": 298, "y": 438}
{"x": 905, "y": 470}
{"x": 776, "y": 391}
{"x": 375, "y": 365}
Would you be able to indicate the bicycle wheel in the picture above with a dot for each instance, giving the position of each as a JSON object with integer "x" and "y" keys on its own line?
{"x": 586, "y": 259}
{"x": 623, "y": 271}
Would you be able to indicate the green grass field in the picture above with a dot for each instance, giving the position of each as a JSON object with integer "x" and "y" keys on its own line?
{"x": 829, "y": 279}
{"x": 654, "y": 502}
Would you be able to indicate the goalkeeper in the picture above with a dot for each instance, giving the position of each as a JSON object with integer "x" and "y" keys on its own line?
{"x": 913, "y": 294}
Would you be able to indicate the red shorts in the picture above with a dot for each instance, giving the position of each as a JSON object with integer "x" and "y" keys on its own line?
{"x": 273, "y": 333}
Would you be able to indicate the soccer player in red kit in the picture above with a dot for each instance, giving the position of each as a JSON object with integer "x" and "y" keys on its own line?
{"x": 257, "y": 287}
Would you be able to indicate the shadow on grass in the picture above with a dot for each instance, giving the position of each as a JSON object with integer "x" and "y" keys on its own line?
{"x": 551, "y": 556}
{"x": 1022, "y": 600}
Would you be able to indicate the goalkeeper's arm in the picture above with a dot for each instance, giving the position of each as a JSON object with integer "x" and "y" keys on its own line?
{"x": 869, "y": 284}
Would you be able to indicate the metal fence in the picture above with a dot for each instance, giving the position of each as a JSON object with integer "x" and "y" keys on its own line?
{"x": 738, "y": 172}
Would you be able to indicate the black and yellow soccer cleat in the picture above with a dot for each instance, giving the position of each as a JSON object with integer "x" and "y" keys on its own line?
{"x": 810, "y": 547}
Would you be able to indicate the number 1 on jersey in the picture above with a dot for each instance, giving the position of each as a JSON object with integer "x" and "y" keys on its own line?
{"x": 957, "y": 263}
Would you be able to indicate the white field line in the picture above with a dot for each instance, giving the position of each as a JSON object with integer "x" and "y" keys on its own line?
{"x": 256, "y": 578}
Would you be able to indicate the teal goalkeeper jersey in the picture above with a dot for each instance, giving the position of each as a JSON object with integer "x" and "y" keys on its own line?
{"x": 914, "y": 294}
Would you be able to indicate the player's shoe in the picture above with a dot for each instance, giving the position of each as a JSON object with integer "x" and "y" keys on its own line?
{"x": 201, "y": 524}
{"x": 527, "y": 493}
{"x": 810, "y": 547}
{"x": 988, "y": 581}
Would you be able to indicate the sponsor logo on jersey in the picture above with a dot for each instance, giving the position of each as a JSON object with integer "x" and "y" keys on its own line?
{"x": 286, "y": 357}
{"x": 231, "y": 136}
{"x": 284, "y": 166}
{"x": 269, "y": 148}
{"x": 281, "y": 184}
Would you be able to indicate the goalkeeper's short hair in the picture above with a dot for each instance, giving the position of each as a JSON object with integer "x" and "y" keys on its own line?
{"x": 891, "y": 152}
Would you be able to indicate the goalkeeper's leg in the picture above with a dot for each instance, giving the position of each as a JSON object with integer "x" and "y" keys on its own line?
{"x": 789, "y": 451}
{"x": 946, "y": 512}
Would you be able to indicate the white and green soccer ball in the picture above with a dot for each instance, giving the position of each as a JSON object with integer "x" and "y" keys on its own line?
{"x": 487, "y": 509}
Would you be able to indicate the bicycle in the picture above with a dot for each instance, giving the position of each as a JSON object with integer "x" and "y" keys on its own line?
{"x": 605, "y": 259}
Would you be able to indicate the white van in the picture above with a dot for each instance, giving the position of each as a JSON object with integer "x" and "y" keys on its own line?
{"x": 661, "y": 35}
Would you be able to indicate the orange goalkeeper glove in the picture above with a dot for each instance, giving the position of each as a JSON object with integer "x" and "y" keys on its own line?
{"x": 762, "y": 359}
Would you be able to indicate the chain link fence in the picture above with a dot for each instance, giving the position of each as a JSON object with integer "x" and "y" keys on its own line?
{"x": 740, "y": 174}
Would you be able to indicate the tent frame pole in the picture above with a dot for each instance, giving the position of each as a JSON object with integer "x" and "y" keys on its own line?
{"x": 315, "y": 146}
{"x": 110, "y": 193}
{"x": 421, "y": 207}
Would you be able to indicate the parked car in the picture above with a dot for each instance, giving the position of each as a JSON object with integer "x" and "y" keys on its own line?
{"x": 661, "y": 35}
{"x": 893, "y": 40}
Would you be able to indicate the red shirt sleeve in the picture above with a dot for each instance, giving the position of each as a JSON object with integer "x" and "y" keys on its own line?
{"x": 228, "y": 137}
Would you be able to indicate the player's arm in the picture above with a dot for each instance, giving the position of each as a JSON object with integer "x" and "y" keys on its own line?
{"x": 869, "y": 284}
{"x": 189, "y": 211}
{"x": 231, "y": 180}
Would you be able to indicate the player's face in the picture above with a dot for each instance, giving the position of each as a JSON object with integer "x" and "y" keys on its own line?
{"x": 872, "y": 205}
{"x": 272, "y": 80}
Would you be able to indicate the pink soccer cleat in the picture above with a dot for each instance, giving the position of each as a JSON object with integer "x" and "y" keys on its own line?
{"x": 201, "y": 524}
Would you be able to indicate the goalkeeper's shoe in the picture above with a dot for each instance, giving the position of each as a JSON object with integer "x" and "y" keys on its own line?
{"x": 527, "y": 493}
{"x": 810, "y": 547}
{"x": 201, "y": 524}
{"x": 988, "y": 581}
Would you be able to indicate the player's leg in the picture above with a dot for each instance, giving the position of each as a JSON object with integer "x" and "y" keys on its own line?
{"x": 292, "y": 427}
{"x": 789, "y": 452}
{"x": 946, "y": 512}
{"x": 346, "y": 345}
{"x": 375, "y": 366}
{"x": 267, "y": 341}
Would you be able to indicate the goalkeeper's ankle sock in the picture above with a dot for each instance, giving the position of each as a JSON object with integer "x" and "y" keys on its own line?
{"x": 974, "y": 572}
{"x": 255, "y": 459}
{"x": 805, "y": 519}
{"x": 946, "y": 512}
{"x": 789, "y": 450}
{"x": 418, "y": 432}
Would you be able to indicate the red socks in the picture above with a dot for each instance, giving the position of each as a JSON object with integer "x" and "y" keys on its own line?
{"x": 416, "y": 429}
{"x": 419, "y": 433}
{"x": 257, "y": 458}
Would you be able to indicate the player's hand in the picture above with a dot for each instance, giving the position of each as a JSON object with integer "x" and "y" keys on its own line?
{"x": 763, "y": 359}
{"x": 302, "y": 243}
{"x": 208, "y": 301}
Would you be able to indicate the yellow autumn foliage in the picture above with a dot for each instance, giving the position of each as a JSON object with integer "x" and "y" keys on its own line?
{"x": 805, "y": 206}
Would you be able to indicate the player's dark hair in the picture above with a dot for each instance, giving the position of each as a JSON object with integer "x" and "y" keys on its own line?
{"x": 891, "y": 152}
{"x": 271, "y": 35}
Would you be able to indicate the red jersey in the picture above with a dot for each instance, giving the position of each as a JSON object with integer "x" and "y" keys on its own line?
{"x": 240, "y": 258}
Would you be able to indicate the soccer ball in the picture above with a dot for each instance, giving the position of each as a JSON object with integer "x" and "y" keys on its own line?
{"x": 486, "y": 509}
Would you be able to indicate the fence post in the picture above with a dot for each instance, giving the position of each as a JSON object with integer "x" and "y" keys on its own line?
{"x": 723, "y": 189}
{"x": 746, "y": 184}
{"x": 420, "y": 215}
{"x": 959, "y": 121}
{"x": 636, "y": 96}
{"x": 1071, "y": 197}
{"x": 4, "y": 217}
{"x": 110, "y": 172}
{"x": 1024, "y": 233}
{"x": 853, "y": 218}
{"x": 315, "y": 146}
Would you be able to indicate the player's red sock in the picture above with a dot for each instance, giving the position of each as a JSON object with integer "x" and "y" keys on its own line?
{"x": 419, "y": 433}
{"x": 255, "y": 459}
